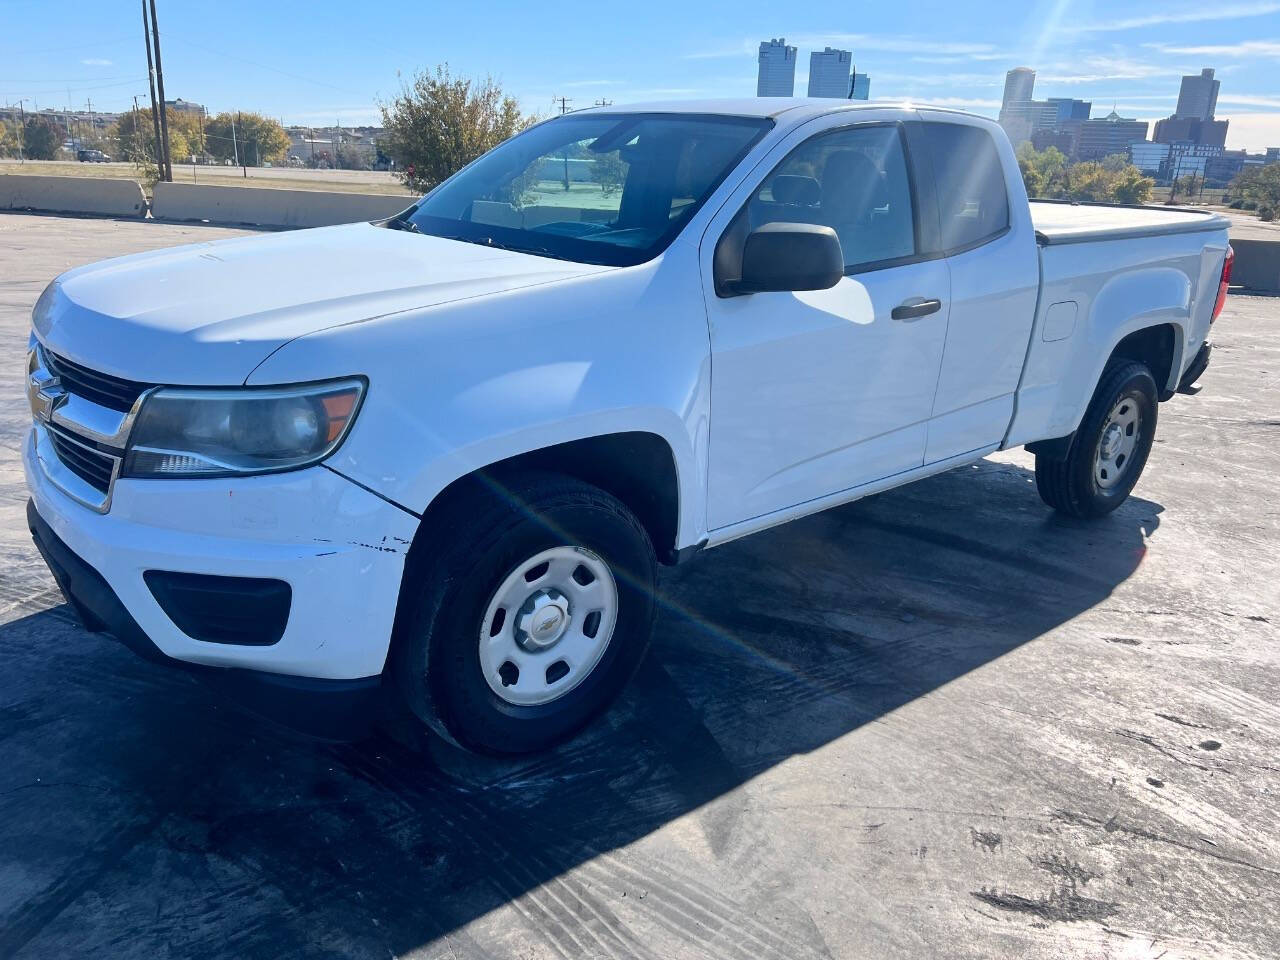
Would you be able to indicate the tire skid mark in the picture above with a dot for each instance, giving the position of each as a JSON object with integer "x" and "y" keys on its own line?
{"x": 697, "y": 898}
{"x": 78, "y": 877}
{"x": 566, "y": 892}
{"x": 520, "y": 898}
{"x": 525, "y": 887}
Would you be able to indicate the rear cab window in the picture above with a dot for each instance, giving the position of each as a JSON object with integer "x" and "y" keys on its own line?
{"x": 973, "y": 202}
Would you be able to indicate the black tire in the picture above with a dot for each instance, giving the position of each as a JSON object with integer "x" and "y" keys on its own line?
{"x": 490, "y": 530}
{"x": 1070, "y": 485}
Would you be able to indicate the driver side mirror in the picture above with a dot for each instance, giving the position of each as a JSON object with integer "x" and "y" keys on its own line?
{"x": 779, "y": 257}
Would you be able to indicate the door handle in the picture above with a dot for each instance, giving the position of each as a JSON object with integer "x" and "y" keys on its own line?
{"x": 915, "y": 308}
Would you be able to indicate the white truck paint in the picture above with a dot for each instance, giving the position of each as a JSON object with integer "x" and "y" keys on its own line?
{"x": 770, "y": 405}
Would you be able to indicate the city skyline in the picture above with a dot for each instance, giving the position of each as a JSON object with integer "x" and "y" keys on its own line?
{"x": 335, "y": 64}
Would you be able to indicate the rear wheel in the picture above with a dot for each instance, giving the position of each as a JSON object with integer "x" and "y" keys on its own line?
{"x": 536, "y": 612}
{"x": 1110, "y": 448}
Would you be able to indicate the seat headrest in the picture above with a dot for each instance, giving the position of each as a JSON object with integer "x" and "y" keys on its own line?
{"x": 800, "y": 191}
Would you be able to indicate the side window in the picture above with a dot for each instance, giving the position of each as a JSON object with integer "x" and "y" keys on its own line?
{"x": 854, "y": 181}
{"x": 973, "y": 204}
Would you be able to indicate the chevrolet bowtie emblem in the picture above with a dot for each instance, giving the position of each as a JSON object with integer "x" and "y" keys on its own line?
{"x": 46, "y": 394}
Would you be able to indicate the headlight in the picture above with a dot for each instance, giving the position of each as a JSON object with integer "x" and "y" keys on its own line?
{"x": 219, "y": 433}
{"x": 40, "y": 312}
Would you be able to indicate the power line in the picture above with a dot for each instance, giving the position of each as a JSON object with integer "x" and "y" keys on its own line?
{"x": 263, "y": 66}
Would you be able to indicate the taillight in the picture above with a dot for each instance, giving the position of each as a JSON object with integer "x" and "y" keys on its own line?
{"x": 1223, "y": 284}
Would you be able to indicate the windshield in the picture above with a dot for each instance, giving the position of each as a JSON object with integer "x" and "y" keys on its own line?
{"x": 595, "y": 188}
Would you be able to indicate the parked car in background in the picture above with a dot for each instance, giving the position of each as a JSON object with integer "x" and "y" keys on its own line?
{"x": 441, "y": 457}
{"x": 92, "y": 156}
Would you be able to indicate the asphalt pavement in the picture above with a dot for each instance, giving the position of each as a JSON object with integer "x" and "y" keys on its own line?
{"x": 940, "y": 722}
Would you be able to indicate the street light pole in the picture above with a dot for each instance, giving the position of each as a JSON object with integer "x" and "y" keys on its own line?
{"x": 151, "y": 80}
{"x": 164, "y": 120}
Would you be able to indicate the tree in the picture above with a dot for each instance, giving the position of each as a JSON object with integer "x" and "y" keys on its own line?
{"x": 10, "y": 139}
{"x": 1048, "y": 175}
{"x": 610, "y": 171}
{"x": 1043, "y": 171}
{"x": 439, "y": 123}
{"x": 1131, "y": 186}
{"x": 41, "y": 139}
{"x": 1260, "y": 186}
{"x": 1115, "y": 162}
{"x": 249, "y": 138}
{"x": 134, "y": 137}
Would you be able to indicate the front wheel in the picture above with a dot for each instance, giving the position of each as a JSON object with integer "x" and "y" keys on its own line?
{"x": 536, "y": 612}
{"x": 1110, "y": 448}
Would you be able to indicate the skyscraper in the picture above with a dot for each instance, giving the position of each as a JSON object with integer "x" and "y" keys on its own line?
{"x": 1019, "y": 84}
{"x": 1110, "y": 134}
{"x": 777, "y": 75}
{"x": 829, "y": 73}
{"x": 1198, "y": 96}
{"x": 860, "y": 87}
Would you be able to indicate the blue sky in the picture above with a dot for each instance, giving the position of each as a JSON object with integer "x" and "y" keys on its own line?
{"x": 323, "y": 61}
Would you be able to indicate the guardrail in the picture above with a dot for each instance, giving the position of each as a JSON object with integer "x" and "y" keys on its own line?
{"x": 102, "y": 196}
{"x": 1257, "y": 265}
{"x": 269, "y": 207}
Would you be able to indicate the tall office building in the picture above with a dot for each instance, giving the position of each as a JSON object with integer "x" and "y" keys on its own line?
{"x": 1110, "y": 134}
{"x": 777, "y": 75}
{"x": 829, "y": 73}
{"x": 1212, "y": 133}
{"x": 1198, "y": 96}
{"x": 1019, "y": 84}
{"x": 1192, "y": 122}
{"x": 1069, "y": 109}
{"x": 859, "y": 87}
{"x": 1021, "y": 118}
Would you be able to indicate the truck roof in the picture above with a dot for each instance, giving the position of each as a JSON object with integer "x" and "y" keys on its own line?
{"x": 754, "y": 106}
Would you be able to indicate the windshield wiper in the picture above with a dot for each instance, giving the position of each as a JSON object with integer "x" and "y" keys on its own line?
{"x": 487, "y": 241}
{"x": 402, "y": 223}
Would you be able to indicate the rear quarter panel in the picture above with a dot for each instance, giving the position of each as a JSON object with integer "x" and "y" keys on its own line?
{"x": 1117, "y": 288}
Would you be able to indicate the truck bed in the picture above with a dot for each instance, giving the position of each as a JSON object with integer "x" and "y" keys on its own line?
{"x": 1059, "y": 222}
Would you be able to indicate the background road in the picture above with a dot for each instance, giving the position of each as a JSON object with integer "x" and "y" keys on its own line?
{"x": 940, "y": 722}
{"x": 290, "y": 178}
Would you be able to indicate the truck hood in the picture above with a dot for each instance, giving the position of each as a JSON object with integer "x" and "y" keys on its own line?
{"x": 208, "y": 313}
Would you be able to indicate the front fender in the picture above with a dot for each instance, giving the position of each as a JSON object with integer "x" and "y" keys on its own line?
{"x": 456, "y": 388}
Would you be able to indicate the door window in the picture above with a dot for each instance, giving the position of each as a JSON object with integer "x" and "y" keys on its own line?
{"x": 854, "y": 181}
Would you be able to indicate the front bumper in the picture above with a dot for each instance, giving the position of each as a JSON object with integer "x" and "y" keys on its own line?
{"x": 333, "y": 709}
{"x": 340, "y": 549}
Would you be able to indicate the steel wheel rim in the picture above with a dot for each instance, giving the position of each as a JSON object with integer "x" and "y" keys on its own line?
{"x": 1118, "y": 443}
{"x": 547, "y": 625}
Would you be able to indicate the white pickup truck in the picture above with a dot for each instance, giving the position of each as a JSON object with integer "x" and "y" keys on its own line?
{"x": 441, "y": 456}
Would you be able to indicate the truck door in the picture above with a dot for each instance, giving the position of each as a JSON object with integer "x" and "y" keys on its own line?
{"x": 986, "y": 234}
{"x": 814, "y": 393}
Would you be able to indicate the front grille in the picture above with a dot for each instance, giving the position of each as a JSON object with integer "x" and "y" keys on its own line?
{"x": 92, "y": 466}
{"x": 101, "y": 388}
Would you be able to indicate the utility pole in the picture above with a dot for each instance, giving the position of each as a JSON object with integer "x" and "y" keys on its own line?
{"x": 137, "y": 133}
{"x": 164, "y": 121}
{"x": 22, "y": 132}
{"x": 151, "y": 80}
{"x": 564, "y": 108}
{"x": 240, "y": 157}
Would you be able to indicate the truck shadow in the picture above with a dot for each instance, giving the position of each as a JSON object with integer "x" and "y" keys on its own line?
{"x": 144, "y": 817}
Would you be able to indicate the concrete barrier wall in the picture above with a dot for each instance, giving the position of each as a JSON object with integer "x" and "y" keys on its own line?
{"x": 266, "y": 207}
{"x": 111, "y": 198}
{"x": 1257, "y": 265}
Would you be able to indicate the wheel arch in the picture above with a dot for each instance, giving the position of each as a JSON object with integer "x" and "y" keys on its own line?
{"x": 1159, "y": 347}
